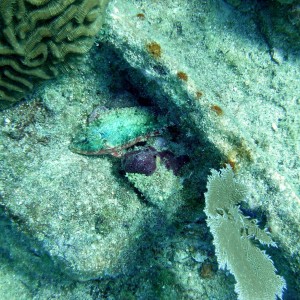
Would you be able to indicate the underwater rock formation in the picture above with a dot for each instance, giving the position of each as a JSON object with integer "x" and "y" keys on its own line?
{"x": 236, "y": 101}
{"x": 37, "y": 36}
{"x": 278, "y": 21}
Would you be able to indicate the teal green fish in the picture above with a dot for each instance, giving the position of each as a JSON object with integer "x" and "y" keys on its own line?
{"x": 116, "y": 129}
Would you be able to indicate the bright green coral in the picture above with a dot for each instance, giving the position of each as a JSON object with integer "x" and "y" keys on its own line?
{"x": 36, "y": 36}
{"x": 233, "y": 233}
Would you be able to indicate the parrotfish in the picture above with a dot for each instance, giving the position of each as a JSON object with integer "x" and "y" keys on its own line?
{"x": 116, "y": 129}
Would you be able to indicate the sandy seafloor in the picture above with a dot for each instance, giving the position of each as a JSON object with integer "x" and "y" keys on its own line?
{"x": 76, "y": 227}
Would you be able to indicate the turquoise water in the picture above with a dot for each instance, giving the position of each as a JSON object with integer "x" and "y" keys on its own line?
{"x": 78, "y": 227}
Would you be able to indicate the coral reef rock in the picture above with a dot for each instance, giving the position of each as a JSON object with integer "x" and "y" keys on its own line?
{"x": 36, "y": 36}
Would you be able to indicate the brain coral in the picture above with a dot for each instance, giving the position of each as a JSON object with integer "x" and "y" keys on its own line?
{"x": 36, "y": 36}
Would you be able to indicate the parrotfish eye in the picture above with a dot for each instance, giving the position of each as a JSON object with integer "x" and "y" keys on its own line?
{"x": 80, "y": 140}
{"x": 84, "y": 140}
